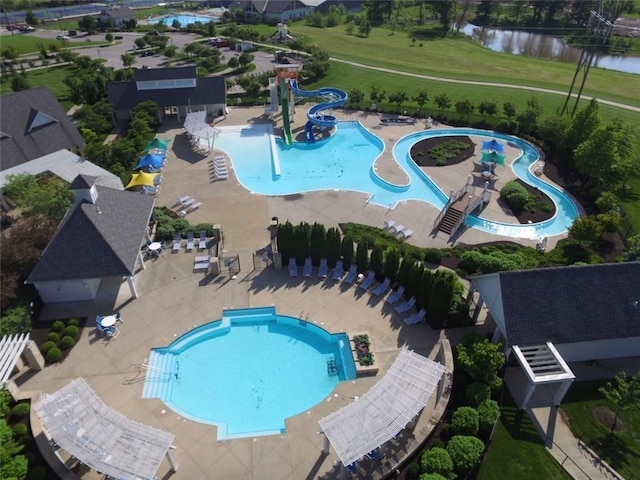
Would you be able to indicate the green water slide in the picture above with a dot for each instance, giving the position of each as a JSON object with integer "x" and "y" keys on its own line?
{"x": 288, "y": 139}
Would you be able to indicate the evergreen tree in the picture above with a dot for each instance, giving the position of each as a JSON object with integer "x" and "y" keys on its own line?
{"x": 332, "y": 248}
{"x": 391, "y": 263}
{"x": 317, "y": 243}
{"x": 362, "y": 256}
{"x": 346, "y": 251}
{"x": 413, "y": 282}
{"x": 375, "y": 261}
{"x": 403, "y": 272}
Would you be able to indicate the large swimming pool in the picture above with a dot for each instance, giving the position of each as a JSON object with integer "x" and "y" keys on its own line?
{"x": 345, "y": 161}
{"x": 248, "y": 372}
{"x": 183, "y": 19}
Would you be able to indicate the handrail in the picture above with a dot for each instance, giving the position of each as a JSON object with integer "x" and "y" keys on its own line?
{"x": 450, "y": 202}
{"x": 144, "y": 366}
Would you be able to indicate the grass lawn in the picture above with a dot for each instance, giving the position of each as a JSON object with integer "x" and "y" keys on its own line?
{"x": 622, "y": 450}
{"x": 52, "y": 77}
{"x": 29, "y": 44}
{"x": 517, "y": 452}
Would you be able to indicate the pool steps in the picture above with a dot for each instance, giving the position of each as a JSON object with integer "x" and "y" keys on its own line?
{"x": 160, "y": 368}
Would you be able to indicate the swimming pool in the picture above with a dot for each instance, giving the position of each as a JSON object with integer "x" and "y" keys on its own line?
{"x": 345, "y": 161}
{"x": 249, "y": 371}
{"x": 183, "y": 19}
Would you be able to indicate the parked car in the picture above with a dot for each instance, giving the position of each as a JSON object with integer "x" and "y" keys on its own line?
{"x": 26, "y": 28}
{"x": 62, "y": 36}
{"x": 72, "y": 33}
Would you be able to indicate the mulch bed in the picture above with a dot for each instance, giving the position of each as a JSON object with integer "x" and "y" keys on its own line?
{"x": 420, "y": 151}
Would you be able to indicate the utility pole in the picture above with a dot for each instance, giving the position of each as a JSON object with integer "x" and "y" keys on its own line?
{"x": 599, "y": 27}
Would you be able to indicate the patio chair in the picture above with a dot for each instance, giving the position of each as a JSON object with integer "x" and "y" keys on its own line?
{"x": 190, "y": 241}
{"x": 201, "y": 265}
{"x": 395, "y": 296}
{"x": 338, "y": 271}
{"x": 195, "y": 206}
{"x": 406, "y": 306}
{"x": 398, "y": 229}
{"x": 177, "y": 242}
{"x": 323, "y": 269}
{"x": 382, "y": 288}
{"x": 367, "y": 282}
{"x": 99, "y": 326}
{"x": 416, "y": 317}
{"x": 388, "y": 224}
{"x": 351, "y": 276}
{"x": 187, "y": 201}
{"x": 112, "y": 332}
{"x": 406, "y": 234}
{"x": 307, "y": 268}
{"x": 293, "y": 267}
{"x": 202, "y": 244}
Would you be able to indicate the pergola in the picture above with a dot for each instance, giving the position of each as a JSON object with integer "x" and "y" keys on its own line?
{"x": 385, "y": 410}
{"x": 11, "y": 347}
{"x": 78, "y": 421}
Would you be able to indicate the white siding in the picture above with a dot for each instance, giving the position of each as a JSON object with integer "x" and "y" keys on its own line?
{"x": 600, "y": 349}
{"x": 68, "y": 291}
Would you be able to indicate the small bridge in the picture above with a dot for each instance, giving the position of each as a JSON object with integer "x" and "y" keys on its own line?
{"x": 460, "y": 204}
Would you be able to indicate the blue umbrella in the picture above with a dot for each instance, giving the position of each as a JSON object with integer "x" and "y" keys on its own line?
{"x": 493, "y": 146}
{"x": 150, "y": 160}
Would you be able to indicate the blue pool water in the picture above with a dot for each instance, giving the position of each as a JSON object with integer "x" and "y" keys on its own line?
{"x": 345, "y": 161}
{"x": 184, "y": 19}
{"x": 249, "y": 371}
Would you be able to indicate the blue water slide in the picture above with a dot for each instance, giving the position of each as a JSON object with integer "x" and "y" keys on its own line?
{"x": 335, "y": 98}
{"x": 308, "y": 128}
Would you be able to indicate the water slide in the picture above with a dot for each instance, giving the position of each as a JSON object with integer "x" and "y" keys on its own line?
{"x": 286, "y": 121}
{"x": 335, "y": 98}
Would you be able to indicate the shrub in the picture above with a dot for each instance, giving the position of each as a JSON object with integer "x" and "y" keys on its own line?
{"x": 53, "y": 355}
{"x": 19, "y": 430}
{"x": 432, "y": 476}
{"x": 433, "y": 255}
{"x": 465, "y": 451}
{"x": 413, "y": 471}
{"x": 464, "y": 421}
{"x": 437, "y": 460}
{"x": 53, "y": 337}
{"x": 476, "y": 393}
{"x": 488, "y": 412}
{"x": 70, "y": 331}
{"x": 37, "y": 472}
{"x": 67, "y": 342}
{"x": 73, "y": 321}
{"x": 515, "y": 195}
{"x": 21, "y": 410}
{"x": 46, "y": 346}
{"x": 57, "y": 326}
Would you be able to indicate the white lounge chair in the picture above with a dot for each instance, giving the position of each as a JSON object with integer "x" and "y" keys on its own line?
{"x": 388, "y": 224}
{"x": 416, "y": 317}
{"x": 367, "y": 282}
{"x": 398, "y": 229}
{"x": 201, "y": 258}
{"x": 201, "y": 266}
{"x": 351, "y": 276}
{"x": 323, "y": 269}
{"x": 195, "y": 206}
{"x": 406, "y": 234}
{"x": 202, "y": 243}
{"x": 293, "y": 267}
{"x": 406, "y": 306}
{"x": 382, "y": 288}
{"x": 177, "y": 243}
{"x": 307, "y": 268}
{"x": 190, "y": 242}
{"x": 187, "y": 201}
{"x": 395, "y": 296}
{"x": 338, "y": 271}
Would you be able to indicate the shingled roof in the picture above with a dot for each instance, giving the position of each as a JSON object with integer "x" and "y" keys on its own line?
{"x": 96, "y": 240}
{"x": 34, "y": 124}
{"x": 571, "y": 304}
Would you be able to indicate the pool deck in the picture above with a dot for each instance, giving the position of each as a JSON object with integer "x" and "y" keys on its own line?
{"x": 173, "y": 299}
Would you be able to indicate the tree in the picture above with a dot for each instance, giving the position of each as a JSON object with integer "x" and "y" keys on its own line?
{"x": 487, "y": 107}
{"x": 245, "y": 59}
{"x": 421, "y": 99}
{"x": 139, "y": 42}
{"x": 624, "y": 395}
{"x": 364, "y": 28}
{"x": 586, "y": 231}
{"x": 356, "y": 96}
{"x": 465, "y": 107}
{"x": 481, "y": 360}
{"x": 583, "y": 124}
{"x": 375, "y": 260}
{"x": 12, "y": 465}
{"x": 30, "y": 18}
{"x": 233, "y": 63}
{"x": 377, "y": 95}
{"x": 391, "y": 263}
{"x": 127, "y": 60}
{"x": 398, "y": 97}
{"x": 88, "y": 23}
{"x": 444, "y": 11}
{"x": 464, "y": 421}
{"x": 488, "y": 412}
{"x": 109, "y": 37}
{"x": 431, "y": 476}
{"x": 443, "y": 102}
{"x": 437, "y": 460}
{"x": 44, "y": 198}
{"x": 362, "y": 256}
{"x": 465, "y": 451}
{"x": 346, "y": 251}
{"x": 19, "y": 81}
{"x": 509, "y": 109}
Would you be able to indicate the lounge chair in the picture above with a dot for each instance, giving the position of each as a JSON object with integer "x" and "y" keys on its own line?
{"x": 190, "y": 241}
{"x": 307, "y": 268}
{"x": 388, "y": 224}
{"x": 323, "y": 269}
{"x": 187, "y": 201}
{"x": 195, "y": 206}
{"x": 416, "y": 317}
{"x": 395, "y": 296}
{"x": 351, "y": 276}
{"x": 177, "y": 242}
{"x": 202, "y": 243}
{"x": 338, "y": 271}
{"x": 201, "y": 265}
{"x": 406, "y": 306}
{"x": 406, "y": 234}
{"x": 293, "y": 267}
{"x": 367, "y": 282}
{"x": 398, "y": 229}
{"x": 201, "y": 258}
{"x": 382, "y": 288}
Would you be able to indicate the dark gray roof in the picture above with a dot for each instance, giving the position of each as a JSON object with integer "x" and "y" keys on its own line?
{"x": 145, "y": 74}
{"x": 571, "y": 304}
{"x": 23, "y": 141}
{"x": 97, "y": 240}
{"x": 208, "y": 91}
{"x": 82, "y": 182}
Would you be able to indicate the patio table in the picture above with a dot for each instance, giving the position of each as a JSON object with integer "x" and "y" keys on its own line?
{"x": 108, "y": 321}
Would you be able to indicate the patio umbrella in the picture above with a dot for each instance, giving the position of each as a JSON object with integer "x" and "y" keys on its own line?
{"x": 141, "y": 179}
{"x": 150, "y": 160}
{"x": 493, "y": 157}
{"x": 492, "y": 146}
{"x": 158, "y": 144}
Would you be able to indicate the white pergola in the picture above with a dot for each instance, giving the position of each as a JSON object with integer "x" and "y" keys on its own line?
{"x": 78, "y": 421}
{"x": 385, "y": 410}
{"x": 11, "y": 347}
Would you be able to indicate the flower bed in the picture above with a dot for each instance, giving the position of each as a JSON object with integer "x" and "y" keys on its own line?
{"x": 363, "y": 355}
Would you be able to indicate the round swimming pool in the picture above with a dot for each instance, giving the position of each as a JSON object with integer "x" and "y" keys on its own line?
{"x": 249, "y": 371}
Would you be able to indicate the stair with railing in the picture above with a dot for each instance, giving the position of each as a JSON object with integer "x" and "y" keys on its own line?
{"x": 459, "y": 205}
{"x": 161, "y": 371}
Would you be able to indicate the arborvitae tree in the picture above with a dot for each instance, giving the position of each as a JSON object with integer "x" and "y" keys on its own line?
{"x": 317, "y": 243}
{"x": 442, "y": 292}
{"x": 301, "y": 235}
{"x": 332, "y": 246}
{"x": 285, "y": 241}
{"x": 403, "y": 271}
{"x": 375, "y": 262}
{"x": 362, "y": 256}
{"x": 413, "y": 282}
{"x": 424, "y": 296}
{"x": 346, "y": 251}
{"x": 391, "y": 263}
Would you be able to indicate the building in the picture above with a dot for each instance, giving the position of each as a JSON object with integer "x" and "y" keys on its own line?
{"x": 177, "y": 91}
{"x": 273, "y": 11}
{"x": 101, "y": 237}
{"x": 116, "y": 16}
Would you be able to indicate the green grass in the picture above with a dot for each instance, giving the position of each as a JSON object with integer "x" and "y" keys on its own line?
{"x": 517, "y": 451}
{"x": 28, "y": 44}
{"x": 622, "y": 450}
{"x": 52, "y": 77}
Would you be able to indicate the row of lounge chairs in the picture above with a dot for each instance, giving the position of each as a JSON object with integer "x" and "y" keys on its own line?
{"x": 397, "y": 229}
{"x": 191, "y": 241}
{"x": 187, "y": 204}
{"x": 219, "y": 168}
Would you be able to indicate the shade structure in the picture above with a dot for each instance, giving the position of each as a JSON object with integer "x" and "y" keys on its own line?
{"x": 150, "y": 160}
{"x": 386, "y": 409}
{"x": 206, "y": 132}
{"x": 158, "y": 144}
{"x": 492, "y": 146}
{"x": 11, "y": 347}
{"x": 195, "y": 121}
{"x": 78, "y": 421}
{"x": 492, "y": 157}
{"x": 142, "y": 178}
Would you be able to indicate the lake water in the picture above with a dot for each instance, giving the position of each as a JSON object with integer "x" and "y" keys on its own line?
{"x": 536, "y": 45}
